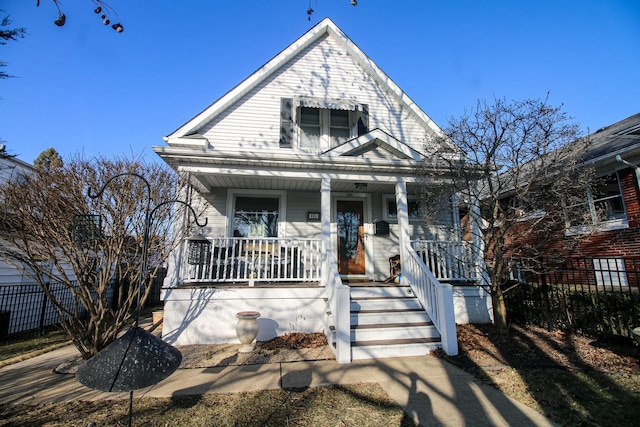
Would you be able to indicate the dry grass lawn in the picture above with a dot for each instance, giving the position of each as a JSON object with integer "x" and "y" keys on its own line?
{"x": 353, "y": 405}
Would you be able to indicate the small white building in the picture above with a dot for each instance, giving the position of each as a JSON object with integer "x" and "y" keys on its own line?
{"x": 308, "y": 169}
{"x": 12, "y": 168}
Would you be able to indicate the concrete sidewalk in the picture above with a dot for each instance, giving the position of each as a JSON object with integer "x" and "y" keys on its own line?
{"x": 431, "y": 391}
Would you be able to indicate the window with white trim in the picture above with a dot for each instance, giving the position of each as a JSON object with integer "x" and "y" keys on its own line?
{"x": 318, "y": 124}
{"x": 514, "y": 207}
{"x": 255, "y": 216}
{"x": 322, "y": 128}
{"x": 602, "y": 205}
{"x": 610, "y": 272}
{"x": 390, "y": 209}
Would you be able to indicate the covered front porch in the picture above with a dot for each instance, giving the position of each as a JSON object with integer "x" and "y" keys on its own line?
{"x": 329, "y": 221}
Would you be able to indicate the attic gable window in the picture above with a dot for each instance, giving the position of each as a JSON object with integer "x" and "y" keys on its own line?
{"x": 310, "y": 128}
{"x": 318, "y": 124}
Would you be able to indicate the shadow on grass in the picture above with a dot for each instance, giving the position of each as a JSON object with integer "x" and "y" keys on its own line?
{"x": 566, "y": 378}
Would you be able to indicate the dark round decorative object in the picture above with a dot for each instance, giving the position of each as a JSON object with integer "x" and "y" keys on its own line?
{"x": 61, "y": 20}
{"x": 98, "y": 9}
{"x": 136, "y": 360}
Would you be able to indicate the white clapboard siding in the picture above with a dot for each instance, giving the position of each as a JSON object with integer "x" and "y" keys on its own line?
{"x": 10, "y": 275}
{"x": 215, "y": 212}
{"x": 298, "y": 204}
{"x": 323, "y": 70}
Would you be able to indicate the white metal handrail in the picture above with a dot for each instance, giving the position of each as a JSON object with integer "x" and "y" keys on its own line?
{"x": 248, "y": 259}
{"x": 435, "y": 297}
{"x": 447, "y": 260}
{"x": 339, "y": 297}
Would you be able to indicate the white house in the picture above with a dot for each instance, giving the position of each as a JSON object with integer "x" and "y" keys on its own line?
{"x": 11, "y": 168}
{"x": 23, "y": 306}
{"x": 308, "y": 169}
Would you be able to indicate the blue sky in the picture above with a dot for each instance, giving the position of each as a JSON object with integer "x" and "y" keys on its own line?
{"x": 83, "y": 88}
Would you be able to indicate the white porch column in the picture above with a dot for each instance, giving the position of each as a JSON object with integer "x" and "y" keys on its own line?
{"x": 325, "y": 224}
{"x": 403, "y": 224}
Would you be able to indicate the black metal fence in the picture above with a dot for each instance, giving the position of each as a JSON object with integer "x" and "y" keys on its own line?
{"x": 156, "y": 288}
{"x": 26, "y": 311}
{"x": 590, "y": 295}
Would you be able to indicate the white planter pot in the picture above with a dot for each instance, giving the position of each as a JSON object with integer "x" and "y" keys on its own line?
{"x": 247, "y": 329}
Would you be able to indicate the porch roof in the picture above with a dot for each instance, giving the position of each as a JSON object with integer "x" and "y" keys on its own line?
{"x": 289, "y": 170}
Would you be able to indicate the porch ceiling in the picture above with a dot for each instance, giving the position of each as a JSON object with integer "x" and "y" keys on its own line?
{"x": 293, "y": 184}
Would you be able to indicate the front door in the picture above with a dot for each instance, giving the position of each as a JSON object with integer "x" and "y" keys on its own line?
{"x": 350, "y": 237}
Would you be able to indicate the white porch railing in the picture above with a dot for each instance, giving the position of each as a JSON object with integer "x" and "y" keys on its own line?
{"x": 447, "y": 260}
{"x": 240, "y": 259}
{"x": 435, "y": 297}
{"x": 339, "y": 297}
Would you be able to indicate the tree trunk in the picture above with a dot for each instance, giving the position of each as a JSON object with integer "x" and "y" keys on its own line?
{"x": 499, "y": 310}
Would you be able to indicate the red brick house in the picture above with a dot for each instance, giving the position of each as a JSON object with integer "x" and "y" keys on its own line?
{"x": 605, "y": 245}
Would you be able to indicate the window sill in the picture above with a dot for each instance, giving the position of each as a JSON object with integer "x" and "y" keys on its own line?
{"x": 394, "y": 220}
{"x": 617, "y": 224}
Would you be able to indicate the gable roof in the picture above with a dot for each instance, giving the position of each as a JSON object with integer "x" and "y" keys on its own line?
{"x": 374, "y": 140}
{"x": 326, "y": 28}
{"x": 619, "y": 138}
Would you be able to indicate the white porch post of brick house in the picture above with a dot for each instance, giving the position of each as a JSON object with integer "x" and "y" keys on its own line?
{"x": 402, "y": 210}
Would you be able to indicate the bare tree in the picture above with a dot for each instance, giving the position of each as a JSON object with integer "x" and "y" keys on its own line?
{"x": 86, "y": 245}
{"x": 519, "y": 169}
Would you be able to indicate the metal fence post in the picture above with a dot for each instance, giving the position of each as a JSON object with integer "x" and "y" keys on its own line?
{"x": 43, "y": 310}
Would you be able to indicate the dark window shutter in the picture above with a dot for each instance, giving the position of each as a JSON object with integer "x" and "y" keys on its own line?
{"x": 363, "y": 121}
{"x": 286, "y": 122}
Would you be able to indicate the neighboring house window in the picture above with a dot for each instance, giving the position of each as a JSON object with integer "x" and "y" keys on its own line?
{"x": 515, "y": 207}
{"x": 603, "y": 206}
{"x": 610, "y": 272}
{"x": 390, "y": 209}
{"x": 255, "y": 216}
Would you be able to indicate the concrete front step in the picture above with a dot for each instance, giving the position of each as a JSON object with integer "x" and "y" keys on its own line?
{"x": 369, "y": 317}
{"x": 388, "y": 321}
{"x": 393, "y": 331}
{"x": 380, "y": 292}
{"x": 393, "y": 348}
{"x": 385, "y": 303}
